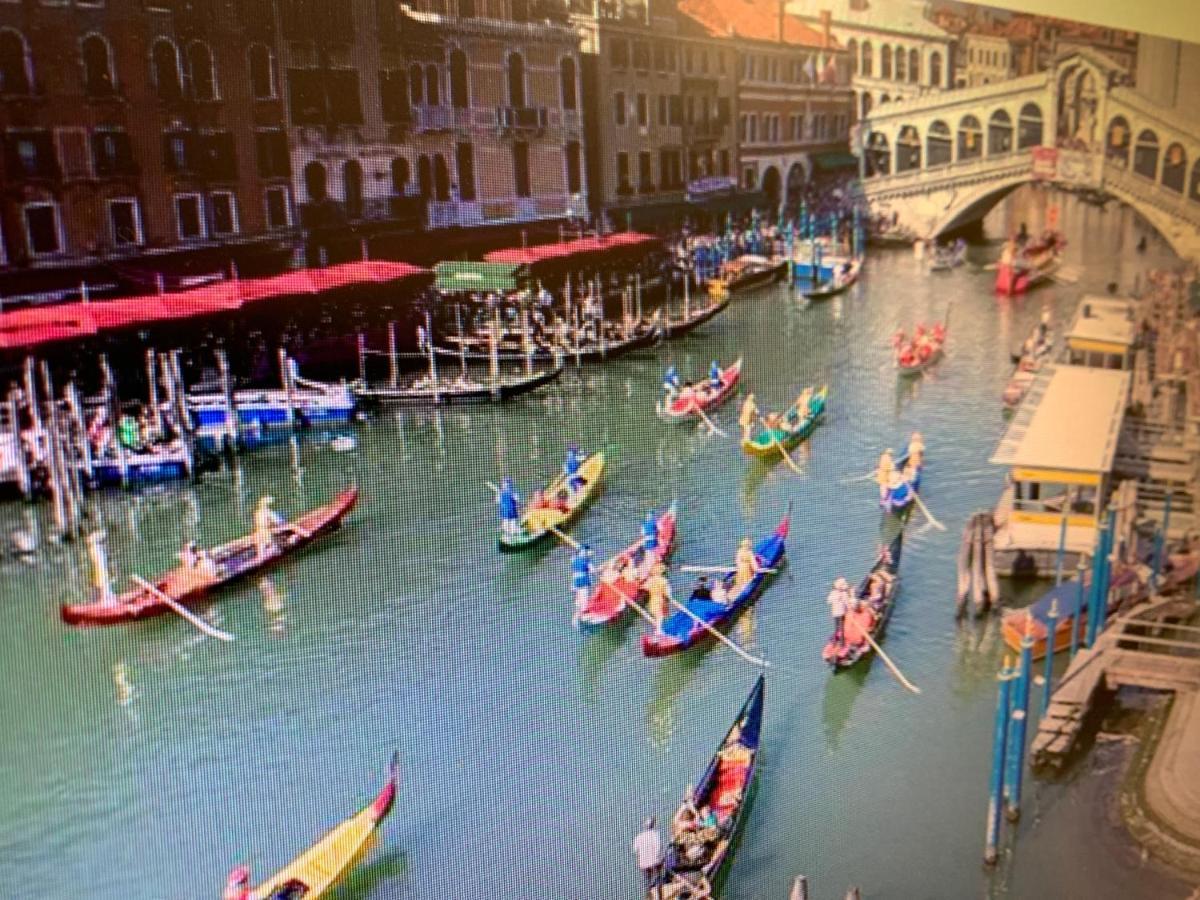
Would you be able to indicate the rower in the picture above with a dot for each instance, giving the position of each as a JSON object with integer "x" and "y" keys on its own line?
{"x": 266, "y": 520}
{"x": 98, "y": 553}
{"x": 916, "y": 450}
{"x": 510, "y": 508}
{"x": 658, "y": 595}
{"x": 883, "y": 472}
{"x": 237, "y": 885}
{"x": 860, "y": 619}
{"x": 1043, "y": 327}
{"x": 745, "y": 565}
{"x": 671, "y": 382}
{"x": 803, "y": 405}
{"x": 718, "y": 593}
{"x": 650, "y": 532}
{"x": 748, "y": 416}
{"x": 571, "y": 468}
{"x": 839, "y": 601}
{"x": 582, "y": 570}
{"x": 714, "y": 376}
{"x": 687, "y": 817}
{"x": 189, "y": 556}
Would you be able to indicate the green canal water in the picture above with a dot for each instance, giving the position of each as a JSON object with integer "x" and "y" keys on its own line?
{"x": 143, "y": 761}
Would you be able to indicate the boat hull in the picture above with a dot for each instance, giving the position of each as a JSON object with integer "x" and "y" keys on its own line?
{"x": 679, "y": 409}
{"x": 536, "y": 524}
{"x": 763, "y": 447}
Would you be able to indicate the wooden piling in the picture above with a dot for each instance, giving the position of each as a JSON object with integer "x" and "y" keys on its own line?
{"x": 285, "y": 375}
{"x": 233, "y": 424}
{"x": 393, "y": 360}
{"x": 113, "y": 403}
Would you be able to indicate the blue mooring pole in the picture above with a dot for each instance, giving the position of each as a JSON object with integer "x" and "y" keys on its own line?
{"x": 1016, "y": 737}
{"x": 1110, "y": 539}
{"x": 996, "y": 787}
{"x": 1160, "y": 543}
{"x": 1051, "y": 642}
{"x": 1094, "y": 594}
{"x": 1080, "y": 571}
{"x": 1062, "y": 541}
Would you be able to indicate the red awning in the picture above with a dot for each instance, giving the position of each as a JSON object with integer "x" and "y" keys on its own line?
{"x": 543, "y": 253}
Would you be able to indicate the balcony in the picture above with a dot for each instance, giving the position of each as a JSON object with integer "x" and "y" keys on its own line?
{"x": 467, "y": 214}
{"x": 522, "y": 118}
{"x": 697, "y": 132}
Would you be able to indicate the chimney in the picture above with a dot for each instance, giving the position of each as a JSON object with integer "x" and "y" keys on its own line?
{"x": 826, "y": 23}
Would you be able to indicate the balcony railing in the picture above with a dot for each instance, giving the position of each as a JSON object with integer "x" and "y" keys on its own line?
{"x": 712, "y": 130}
{"x": 466, "y": 214}
{"x": 522, "y": 118}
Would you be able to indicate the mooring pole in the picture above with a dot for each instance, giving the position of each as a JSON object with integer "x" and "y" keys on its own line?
{"x": 1048, "y": 672}
{"x": 999, "y": 744}
{"x": 393, "y": 362}
{"x": 361, "y": 343}
{"x": 799, "y": 889}
{"x": 1102, "y": 604}
{"x": 1062, "y": 540}
{"x": 1016, "y": 738}
{"x": 1160, "y": 544}
{"x": 1094, "y": 593}
{"x": 1080, "y": 572}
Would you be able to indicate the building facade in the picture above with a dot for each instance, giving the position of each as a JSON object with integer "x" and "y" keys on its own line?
{"x": 982, "y": 59}
{"x": 660, "y": 96}
{"x": 894, "y": 50}
{"x": 129, "y": 128}
{"x": 794, "y": 101}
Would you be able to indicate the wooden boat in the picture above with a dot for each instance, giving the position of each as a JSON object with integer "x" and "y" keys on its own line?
{"x": 697, "y": 395}
{"x": 1018, "y": 272}
{"x": 232, "y": 561}
{"x": 745, "y": 273}
{"x": 456, "y": 391}
{"x": 796, "y": 428}
{"x": 841, "y": 282}
{"x": 615, "y": 343}
{"x": 726, "y": 788}
{"x": 949, "y": 257}
{"x": 681, "y": 630}
{"x": 677, "y": 329}
{"x": 887, "y": 571}
{"x": 913, "y": 361}
{"x": 536, "y": 523}
{"x": 317, "y": 872}
{"x": 610, "y": 598}
{"x": 1029, "y": 363}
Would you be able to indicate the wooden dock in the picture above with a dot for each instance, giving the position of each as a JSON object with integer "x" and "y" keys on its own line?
{"x": 1134, "y": 651}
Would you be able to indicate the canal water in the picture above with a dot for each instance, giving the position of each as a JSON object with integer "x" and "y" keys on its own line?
{"x": 143, "y": 761}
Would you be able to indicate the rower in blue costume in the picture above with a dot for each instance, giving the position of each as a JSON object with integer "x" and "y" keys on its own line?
{"x": 582, "y": 571}
{"x": 671, "y": 382}
{"x": 571, "y": 468}
{"x": 714, "y": 376}
{"x": 510, "y": 508}
{"x": 650, "y": 532}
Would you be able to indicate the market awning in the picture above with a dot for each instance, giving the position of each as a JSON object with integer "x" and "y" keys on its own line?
{"x": 835, "y": 159}
{"x": 574, "y": 251}
{"x": 480, "y": 277}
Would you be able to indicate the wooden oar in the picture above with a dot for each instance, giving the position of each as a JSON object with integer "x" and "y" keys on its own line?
{"x": 632, "y": 601}
{"x": 891, "y": 665}
{"x": 178, "y": 608}
{"x": 720, "y": 637}
{"x": 925, "y": 509}
{"x": 299, "y": 529}
{"x": 709, "y": 422}
{"x": 870, "y": 476}
{"x": 720, "y": 569}
{"x": 782, "y": 450}
{"x": 564, "y": 537}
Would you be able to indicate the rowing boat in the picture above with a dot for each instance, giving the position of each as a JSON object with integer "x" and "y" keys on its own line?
{"x": 725, "y": 787}
{"x": 537, "y": 523}
{"x": 231, "y": 561}
{"x": 886, "y": 574}
{"x": 643, "y": 335}
{"x": 841, "y": 282}
{"x": 619, "y": 586}
{"x": 681, "y": 630}
{"x": 899, "y": 499}
{"x": 912, "y": 359}
{"x": 767, "y": 441}
{"x": 316, "y": 872}
{"x": 700, "y": 395}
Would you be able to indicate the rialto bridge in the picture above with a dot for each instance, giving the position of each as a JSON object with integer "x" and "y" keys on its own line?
{"x": 943, "y": 160}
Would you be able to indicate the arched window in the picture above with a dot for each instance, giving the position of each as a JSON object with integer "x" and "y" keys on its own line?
{"x": 852, "y": 52}
{"x": 1000, "y": 133}
{"x": 416, "y": 85}
{"x": 460, "y": 90}
{"x": 516, "y": 80}
{"x": 935, "y": 69}
{"x": 399, "y": 176}
{"x": 866, "y": 104}
{"x": 885, "y": 61}
{"x": 900, "y": 55}
{"x": 424, "y": 177}
{"x": 164, "y": 64}
{"x": 866, "y": 59}
{"x": 441, "y": 178}
{"x": 16, "y": 63}
{"x": 98, "y": 79}
{"x": 315, "y": 182}
{"x": 433, "y": 94}
{"x": 1117, "y": 144}
{"x": 566, "y": 72}
{"x": 879, "y": 155}
{"x": 1194, "y": 187}
{"x": 908, "y": 149}
{"x": 884, "y": 98}
{"x": 1145, "y": 154}
{"x": 914, "y": 65}
{"x": 1174, "y": 169}
{"x": 352, "y": 188}
{"x": 262, "y": 72}
{"x": 202, "y": 72}
{"x": 1029, "y": 126}
{"x": 938, "y": 151}
{"x": 970, "y": 138}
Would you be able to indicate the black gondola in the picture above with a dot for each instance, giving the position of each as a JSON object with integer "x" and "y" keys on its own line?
{"x": 840, "y": 655}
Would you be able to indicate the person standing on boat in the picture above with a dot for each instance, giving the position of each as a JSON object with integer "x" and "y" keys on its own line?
{"x": 916, "y": 450}
{"x": 571, "y": 468}
{"x": 839, "y": 601}
{"x": 650, "y": 533}
{"x": 97, "y": 544}
{"x": 745, "y": 566}
{"x": 582, "y": 570}
{"x": 650, "y": 852}
{"x": 714, "y": 376}
{"x": 671, "y": 382}
{"x": 883, "y": 472}
{"x": 748, "y": 416}
{"x": 1043, "y": 328}
{"x": 266, "y": 520}
{"x": 237, "y": 885}
{"x": 510, "y": 508}
{"x": 659, "y": 598}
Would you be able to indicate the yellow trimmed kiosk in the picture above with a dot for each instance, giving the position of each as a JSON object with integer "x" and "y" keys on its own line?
{"x": 1059, "y": 451}
{"x": 1102, "y": 334}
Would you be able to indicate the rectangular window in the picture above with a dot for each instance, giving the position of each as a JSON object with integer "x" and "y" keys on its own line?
{"x": 520, "y": 152}
{"x": 73, "y": 153}
{"x": 224, "y": 213}
{"x": 725, "y": 162}
{"x": 723, "y": 108}
{"x": 393, "y": 95}
{"x": 662, "y": 109}
{"x": 623, "y": 172}
{"x": 464, "y": 158}
{"x": 619, "y": 107}
{"x": 177, "y": 152}
{"x": 574, "y": 168}
{"x": 42, "y": 230}
{"x": 32, "y": 154}
{"x": 278, "y": 208}
{"x": 271, "y": 148}
{"x": 112, "y": 153}
{"x": 753, "y": 129}
{"x": 618, "y": 53}
{"x": 645, "y": 172}
{"x": 643, "y": 111}
{"x": 676, "y": 109}
{"x": 189, "y": 218}
{"x": 218, "y": 156}
{"x": 641, "y": 56}
{"x": 125, "y": 222}
{"x": 687, "y": 60}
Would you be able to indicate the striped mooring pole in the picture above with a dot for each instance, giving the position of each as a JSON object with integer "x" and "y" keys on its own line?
{"x": 1004, "y": 680}
{"x": 1102, "y": 598}
{"x": 1048, "y": 673}
{"x": 1015, "y": 756}
{"x": 1094, "y": 595}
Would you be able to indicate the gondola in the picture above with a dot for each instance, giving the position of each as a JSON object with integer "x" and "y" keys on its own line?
{"x": 456, "y": 391}
{"x": 886, "y": 572}
{"x": 643, "y": 336}
{"x": 680, "y": 630}
{"x": 699, "y": 395}
{"x": 901, "y": 498}
{"x": 610, "y": 598}
{"x": 796, "y": 428}
{"x": 537, "y": 524}
{"x": 746, "y": 273}
{"x": 232, "y": 561}
{"x": 839, "y": 284}
{"x": 947, "y": 258}
{"x": 912, "y": 362}
{"x": 677, "y": 329}
{"x": 316, "y": 872}
{"x": 1019, "y": 271}
{"x": 725, "y": 787}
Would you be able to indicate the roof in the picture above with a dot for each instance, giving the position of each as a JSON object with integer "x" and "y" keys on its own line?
{"x": 1070, "y": 419}
{"x": 1106, "y": 319}
{"x": 894, "y": 16}
{"x": 573, "y": 250}
{"x": 473, "y": 277}
{"x": 753, "y": 19}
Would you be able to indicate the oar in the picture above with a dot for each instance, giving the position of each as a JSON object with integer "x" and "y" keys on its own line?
{"x": 754, "y": 660}
{"x": 300, "y": 530}
{"x": 891, "y": 665}
{"x": 564, "y": 537}
{"x": 709, "y": 422}
{"x": 925, "y": 509}
{"x": 719, "y": 569}
{"x": 868, "y": 477}
{"x": 176, "y": 607}
{"x": 782, "y": 450}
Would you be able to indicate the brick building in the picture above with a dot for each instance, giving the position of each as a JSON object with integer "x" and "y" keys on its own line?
{"x": 148, "y": 126}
